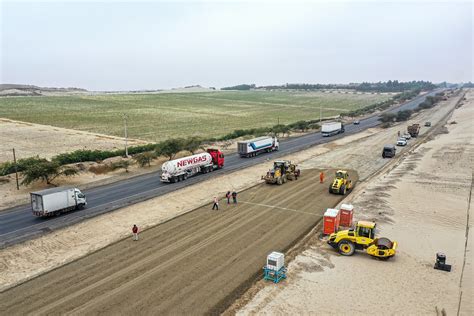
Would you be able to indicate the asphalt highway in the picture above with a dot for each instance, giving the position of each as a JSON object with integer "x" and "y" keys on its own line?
{"x": 19, "y": 224}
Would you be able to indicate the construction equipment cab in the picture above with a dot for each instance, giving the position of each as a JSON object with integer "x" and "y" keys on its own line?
{"x": 341, "y": 183}
{"x": 282, "y": 171}
{"x": 362, "y": 237}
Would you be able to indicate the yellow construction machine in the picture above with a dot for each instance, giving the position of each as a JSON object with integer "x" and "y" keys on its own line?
{"x": 283, "y": 170}
{"x": 341, "y": 183}
{"x": 362, "y": 237}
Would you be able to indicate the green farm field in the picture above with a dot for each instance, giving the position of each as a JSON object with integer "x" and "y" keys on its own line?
{"x": 155, "y": 117}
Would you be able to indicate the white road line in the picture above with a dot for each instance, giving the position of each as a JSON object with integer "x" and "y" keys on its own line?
{"x": 278, "y": 207}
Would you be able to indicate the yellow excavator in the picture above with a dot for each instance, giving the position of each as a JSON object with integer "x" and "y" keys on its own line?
{"x": 341, "y": 183}
{"x": 362, "y": 237}
{"x": 283, "y": 170}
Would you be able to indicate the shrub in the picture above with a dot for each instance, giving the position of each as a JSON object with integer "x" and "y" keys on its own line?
{"x": 46, "y": 171}
{"x": 403, "y": 115}
{"x": 122, "y": 164}
{"x": 144, "y": 159}
{"x": 387, "y": 117}
{"x": 170, "y": 147}
{"x": 9, "y": 166}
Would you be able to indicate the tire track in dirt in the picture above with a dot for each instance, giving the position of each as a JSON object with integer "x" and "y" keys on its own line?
{"x": 150, "y": 260}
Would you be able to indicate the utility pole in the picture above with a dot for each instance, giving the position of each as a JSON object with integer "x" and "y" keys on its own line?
{"x": 320, "y": 113}
{"x": 278, "y": 121}
{"x": 16, "y": 170}
{"x": 125, "y": 118}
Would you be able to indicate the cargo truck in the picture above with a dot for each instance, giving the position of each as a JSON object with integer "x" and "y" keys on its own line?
{"x": 414, "y": 130}
{"x": 253, "y": 147}
{"x": 332, "y": 128}
{"x": 55, "y": 201}
{"x": 183, "y": 168}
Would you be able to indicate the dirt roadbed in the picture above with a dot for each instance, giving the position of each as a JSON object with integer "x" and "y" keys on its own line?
{"x": 195, "y": 263}
{"x": 425, "y": 204}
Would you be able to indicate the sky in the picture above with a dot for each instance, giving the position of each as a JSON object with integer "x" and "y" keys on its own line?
{"x": 159, "y": 45}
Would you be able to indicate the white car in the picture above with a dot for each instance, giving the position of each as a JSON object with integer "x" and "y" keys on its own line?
{"x": 401, "y": 142}
{"x": 406, "y": 136}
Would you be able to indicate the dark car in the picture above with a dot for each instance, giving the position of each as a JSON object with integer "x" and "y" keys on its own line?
{"x": 389, "y": 151}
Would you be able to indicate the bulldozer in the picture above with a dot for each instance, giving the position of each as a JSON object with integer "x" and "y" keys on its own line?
{"x": 341, "y": 183}
{"x": 283, "y": 170}
{"x": 362, "y": 237}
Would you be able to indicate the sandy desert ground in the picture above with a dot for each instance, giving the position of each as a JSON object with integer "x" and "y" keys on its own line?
{"x": 26, "y": 260}
{"x": 30, "y": 140}
{"x": 424, "y": 203}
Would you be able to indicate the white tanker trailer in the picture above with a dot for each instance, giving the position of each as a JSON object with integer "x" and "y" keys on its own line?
{"x": 183, "y": 168}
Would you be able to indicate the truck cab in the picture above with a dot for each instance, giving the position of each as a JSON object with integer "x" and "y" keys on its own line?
{"x": 80, "y": 198}
{"x": 217, "y": 157}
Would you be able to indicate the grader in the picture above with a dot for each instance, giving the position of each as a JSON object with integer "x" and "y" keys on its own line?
{"x": 362, "y": 237}
{"x": 283, "y": 170}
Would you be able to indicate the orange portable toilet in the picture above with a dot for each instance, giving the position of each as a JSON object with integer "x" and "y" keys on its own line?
{"x": 346, "y": 212}
{"x": 331, "y": 221}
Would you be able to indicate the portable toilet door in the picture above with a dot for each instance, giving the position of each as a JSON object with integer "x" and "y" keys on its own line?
{"x": 331, "y": 221}
{"x": 346, "y": 215}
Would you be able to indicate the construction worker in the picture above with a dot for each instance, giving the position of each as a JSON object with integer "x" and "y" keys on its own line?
{"x": 135, "y": 232}
{"x": 234, "y": 197}
{"x": 228, "y": 197}
{"x": 398, "y": 133}
{"x": 216, "y": 204}
{"x": 321, "y": 177}
{"x": 297, "y": 174}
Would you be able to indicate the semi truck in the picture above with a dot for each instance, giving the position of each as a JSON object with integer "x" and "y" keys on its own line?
{"x": 55, "y": 201}
{"x": 180, "y": 169}
{"x": 332, "y": 128}
{"x": 253, "y": 147}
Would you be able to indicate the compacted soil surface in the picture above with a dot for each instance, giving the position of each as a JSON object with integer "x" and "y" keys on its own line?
{"x": 196, "y": 263}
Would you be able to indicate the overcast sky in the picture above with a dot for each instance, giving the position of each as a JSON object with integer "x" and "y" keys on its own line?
{"x": 152, "y": 45}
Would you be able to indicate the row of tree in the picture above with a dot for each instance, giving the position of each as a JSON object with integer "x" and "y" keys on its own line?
{"x": 36, "y": 168}
{"x": 395, "y": 86}
{"x": 429, "y": 102}
{"x": 386, "y": 86}
{"x": 240, "y": 87}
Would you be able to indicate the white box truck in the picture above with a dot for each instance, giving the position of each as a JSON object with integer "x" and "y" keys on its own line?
{"x": 252, "y": 147}
{"x": 56, "y": 201}
{"x": 332, "y": 128}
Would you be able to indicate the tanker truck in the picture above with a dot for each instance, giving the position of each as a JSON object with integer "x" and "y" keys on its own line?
{"x": 183, "y": 168}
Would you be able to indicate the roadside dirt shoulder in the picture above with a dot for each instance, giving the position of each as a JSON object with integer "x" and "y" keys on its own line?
{"x": 424, "y": 204}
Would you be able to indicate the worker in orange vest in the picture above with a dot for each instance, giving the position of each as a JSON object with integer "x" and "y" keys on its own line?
{"x": 321, "y": 177}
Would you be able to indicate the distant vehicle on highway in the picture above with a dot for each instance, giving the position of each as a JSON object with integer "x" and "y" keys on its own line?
{"x": 388, "y": 151}
{"x": 253, "y": 147}
{"x": 401, "y": 142}
{"x": 407, "y": 136}
{"x": 427, "y": 124}
{"x": 332, "y": 128}
{"x": 55, "y": 201}
{"x": 356, "y": 122}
